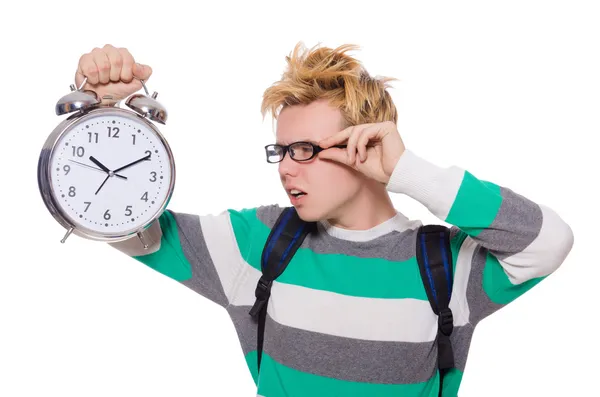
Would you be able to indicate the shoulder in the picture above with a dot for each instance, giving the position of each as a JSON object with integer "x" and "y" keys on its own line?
{"x": 252, "y": 217}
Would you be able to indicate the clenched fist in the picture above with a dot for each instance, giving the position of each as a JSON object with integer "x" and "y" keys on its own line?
{"x": 111, "y": 72}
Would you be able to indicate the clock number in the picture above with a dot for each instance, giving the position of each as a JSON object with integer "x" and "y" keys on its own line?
{"x": 149, "y": 154}
{"x": 78, "y": 151}
{"x": 128, "y": 211}
{"x": 90, "y": 137}
{"x": 113, "y": 132}
{"x": 71, "y": 191}
{"x": 87, "y": 205}
{"x": 107, "y": 214}
{"x": 145, "y": 197}
{"x": 153, "y": 179}
{"x": 67, "y": 168}
{"x": 133, "y": 135}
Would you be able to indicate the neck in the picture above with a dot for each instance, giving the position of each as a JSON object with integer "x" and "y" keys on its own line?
{"x": 370, "y": 207}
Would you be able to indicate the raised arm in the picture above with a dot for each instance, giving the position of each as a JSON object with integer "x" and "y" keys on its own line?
{"x": 504, "y": 242}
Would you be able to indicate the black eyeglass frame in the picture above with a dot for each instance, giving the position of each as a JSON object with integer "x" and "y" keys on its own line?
{"x": 315, "y": 150}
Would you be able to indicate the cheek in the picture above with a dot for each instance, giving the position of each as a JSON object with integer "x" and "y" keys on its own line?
{"x": 332, "y": 178}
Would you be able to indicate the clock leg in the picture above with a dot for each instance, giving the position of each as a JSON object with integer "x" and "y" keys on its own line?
{"x": 141, "y": 237}
{"x": 67, "y": 234}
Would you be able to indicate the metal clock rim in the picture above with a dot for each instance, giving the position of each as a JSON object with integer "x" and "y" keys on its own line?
{"x": 45, "y": 174}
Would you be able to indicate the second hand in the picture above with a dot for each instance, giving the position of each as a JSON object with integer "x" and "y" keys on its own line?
{"x": 96, "y": 169}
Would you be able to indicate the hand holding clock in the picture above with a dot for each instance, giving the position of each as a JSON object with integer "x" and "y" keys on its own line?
{"x": 111, "y": 74}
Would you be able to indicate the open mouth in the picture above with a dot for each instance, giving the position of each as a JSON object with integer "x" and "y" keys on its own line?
{"x": 297, "y": 193}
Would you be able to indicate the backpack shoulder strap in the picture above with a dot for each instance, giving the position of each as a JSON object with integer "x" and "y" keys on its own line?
{"x": 285, "y": 238}
{"x": 435, "y": 264}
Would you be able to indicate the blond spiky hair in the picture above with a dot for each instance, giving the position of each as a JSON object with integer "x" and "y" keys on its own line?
{"x": 325, "y": 73}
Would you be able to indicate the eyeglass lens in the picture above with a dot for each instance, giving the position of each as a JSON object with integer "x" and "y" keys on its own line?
{"x": 298, "y": 151}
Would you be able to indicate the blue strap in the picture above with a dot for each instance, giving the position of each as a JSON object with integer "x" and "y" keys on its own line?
{"x": 428, "y": 268}
{"x": 275, "y": 236}
{"x": 446, "y": 264}
{"x": 287, "y": 250}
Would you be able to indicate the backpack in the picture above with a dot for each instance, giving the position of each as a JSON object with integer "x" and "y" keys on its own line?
{"x": 433, "y": 256}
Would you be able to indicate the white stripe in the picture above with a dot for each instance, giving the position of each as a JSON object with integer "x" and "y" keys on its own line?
{"x": 398, "y": 320}
{"x": 433, "y": 186}
{"x": 220, "y": 240}
{"x": 406, "y": 320}
{"x": 399, "y": 223}
{"x": 458, "y": 302}
{"x": 545, "y": 254}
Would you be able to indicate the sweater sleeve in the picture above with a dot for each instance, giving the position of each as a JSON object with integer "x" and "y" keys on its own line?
{"x": 203, "y": 252}
{"x": 503, "y": 243}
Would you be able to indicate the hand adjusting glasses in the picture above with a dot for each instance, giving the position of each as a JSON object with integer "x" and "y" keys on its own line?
{"x": 299, "y": 151}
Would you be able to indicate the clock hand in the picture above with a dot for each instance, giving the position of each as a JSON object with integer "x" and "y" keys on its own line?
{"x": 97, "y": 169}
{"x": 132, "y": 163}
{"x": 99, "y": 164}
{"x": 105, "y": 179}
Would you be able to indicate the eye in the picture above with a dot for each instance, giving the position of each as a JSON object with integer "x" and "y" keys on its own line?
{"x": 301, "y": 151}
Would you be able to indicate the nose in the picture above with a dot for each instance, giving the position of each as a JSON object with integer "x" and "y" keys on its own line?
{"x": 287, "y": 166}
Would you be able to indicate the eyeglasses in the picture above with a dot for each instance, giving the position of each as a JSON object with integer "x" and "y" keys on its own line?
{"x": 299, "y": 151}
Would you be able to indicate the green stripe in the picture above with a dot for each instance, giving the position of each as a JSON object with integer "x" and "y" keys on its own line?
{"x": 498, "y": 286}
{"x": 251, "y": 361}
{"x": 277, "y": 380}
{"x": 475, "y": 206}
{"x": 243, "y": 221}
{"x": 452, "y": 382}
{"x": 336, "y": 272}
{"x": 169, "y": 259}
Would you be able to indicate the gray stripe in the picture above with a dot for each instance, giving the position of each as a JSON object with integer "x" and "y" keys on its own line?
{"x": 268, "y": 214}
{"x": 348, "y": 359}
{"x": 394, "y": 246}
{"x": 245, "y": 327}
{"x": 205, "y": 280}
{"x": 516, "y": 225}
{"x": 480, "y": 305}
{"x": 461, "y": 340}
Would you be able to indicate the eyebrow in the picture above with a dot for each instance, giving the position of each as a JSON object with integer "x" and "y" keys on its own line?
{"x": 297, "y": 140}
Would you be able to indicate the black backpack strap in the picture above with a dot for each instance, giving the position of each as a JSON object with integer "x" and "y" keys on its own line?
{"x": 435, "y": 263}
{"x": 285, "y": 238}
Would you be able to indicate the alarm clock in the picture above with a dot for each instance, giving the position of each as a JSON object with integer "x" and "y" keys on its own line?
{"x": 106, "y": 173}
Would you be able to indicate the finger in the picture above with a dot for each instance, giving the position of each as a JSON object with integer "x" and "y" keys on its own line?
{"x": 116, "y": 62}
{"x": 86, "y": 68}
{"x": 352, "y": 141}
{"x": 337, "y": 155}
{"x": 142, "y": 72}
{"x": 342, "y": 135}
{"x": 364, "y": 140}
{"x": 336, "y": 138}
{"x": 103, "y": 65}
{"x": 127, "y": 69}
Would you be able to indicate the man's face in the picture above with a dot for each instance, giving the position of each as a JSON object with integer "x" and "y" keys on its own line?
{"x": 328, "y": 185}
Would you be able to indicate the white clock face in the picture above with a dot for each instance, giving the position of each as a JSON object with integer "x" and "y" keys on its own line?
{"x": 110, "y": 173}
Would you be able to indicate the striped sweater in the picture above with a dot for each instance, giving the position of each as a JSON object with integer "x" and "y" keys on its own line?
{"x": 330, "y": 333}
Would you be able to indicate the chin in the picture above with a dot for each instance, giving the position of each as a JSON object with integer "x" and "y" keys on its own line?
{"x": 308, "y": 214}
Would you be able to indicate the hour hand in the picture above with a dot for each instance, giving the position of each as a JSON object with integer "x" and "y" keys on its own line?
{"x": 99, "y": 164}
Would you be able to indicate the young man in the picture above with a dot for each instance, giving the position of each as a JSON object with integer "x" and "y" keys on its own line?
{"x": 350, "y": 315}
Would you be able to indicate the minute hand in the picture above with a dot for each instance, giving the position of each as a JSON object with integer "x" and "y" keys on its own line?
{"x": 132, "y": 163}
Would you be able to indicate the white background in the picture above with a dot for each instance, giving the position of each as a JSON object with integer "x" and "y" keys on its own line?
{"x": 508, "y": 90}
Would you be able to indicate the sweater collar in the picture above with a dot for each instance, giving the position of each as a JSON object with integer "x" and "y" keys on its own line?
{"x": 399, "y": 223}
